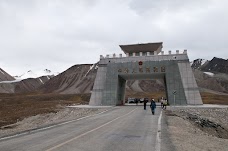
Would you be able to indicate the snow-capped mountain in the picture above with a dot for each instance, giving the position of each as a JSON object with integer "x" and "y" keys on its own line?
{"x": 216, "y": 65}
{"x": 196, "y": 64}
{"x": 211, "y": 75}
{"x": 36, "y": 74}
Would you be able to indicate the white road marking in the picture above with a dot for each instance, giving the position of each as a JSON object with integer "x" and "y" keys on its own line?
{"x": 158, "y": 138}
{"x": 70, "y": 140}
{"x": 40, "y": 129}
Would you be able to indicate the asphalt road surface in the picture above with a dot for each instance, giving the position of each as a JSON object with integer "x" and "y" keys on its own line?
{"x": 125, "y": 128}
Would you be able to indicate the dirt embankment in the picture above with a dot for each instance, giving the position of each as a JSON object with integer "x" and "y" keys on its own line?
{"x": 16, "y": 107}
{"x": 48, "y": 119}
{"x": 198, "y": 129}
{"x": 23, "y": 112}
{"x": 211, "y": 98}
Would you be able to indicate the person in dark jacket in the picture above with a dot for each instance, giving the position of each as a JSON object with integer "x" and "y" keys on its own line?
{"x": 153, "y": 106}
{"x": 144, "y": 102}
{"x": 136, "y": 101}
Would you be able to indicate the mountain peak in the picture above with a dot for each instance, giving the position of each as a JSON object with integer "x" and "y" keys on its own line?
{"x": 36, "y": 74}
{"x": 215, "y": 65}
{"x": 196, "y": 64}
{"x": 4, "y": 76}
{"x": 47, "y": 70}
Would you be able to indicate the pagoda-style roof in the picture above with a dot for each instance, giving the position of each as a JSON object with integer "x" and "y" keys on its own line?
{"x": 146, "y": 47}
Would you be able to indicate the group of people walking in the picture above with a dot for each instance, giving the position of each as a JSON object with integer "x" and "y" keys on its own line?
{"x": 163, "y": 103}
{"x": 153, "y": 104}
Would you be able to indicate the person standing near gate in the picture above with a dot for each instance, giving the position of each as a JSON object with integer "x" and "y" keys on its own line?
{"x": 153, "y": 106}
{"x": 144, "y": 102}
{"x": 162, "y": 101}
{"x": 165, "y": 104}
{"x": 136, "y": 101}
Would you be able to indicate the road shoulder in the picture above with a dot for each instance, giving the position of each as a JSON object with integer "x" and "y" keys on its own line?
{"x": 166, "y": 143}
{"x": 189, "y": 130}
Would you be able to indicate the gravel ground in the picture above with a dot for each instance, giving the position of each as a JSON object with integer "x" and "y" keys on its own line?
{"x": 42, "y": 120}
{"x": 198, "y": 129}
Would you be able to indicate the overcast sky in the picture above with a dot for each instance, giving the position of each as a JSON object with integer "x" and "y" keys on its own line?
{"x": 56, "y": 34}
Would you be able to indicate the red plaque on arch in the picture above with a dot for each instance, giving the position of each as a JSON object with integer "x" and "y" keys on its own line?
{"x": 140, "y": 63}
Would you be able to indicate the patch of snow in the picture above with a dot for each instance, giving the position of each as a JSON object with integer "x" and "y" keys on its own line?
{"x": 96, "y": 67}
{"x": 55, "y": 73}
{"x": 41, "y": 81}
{"x": 48, "y": 77}
{"x": 36, "y": 74}
{"x": 203, "y": 61}
{"x": 27, "y": 75}
{"x": 2, "y": 71}
{"x": 47, "y": 71}
{"x": 91, "y": 67}
{"x": 209, "y": 73}
{"x": 17, "y": 80}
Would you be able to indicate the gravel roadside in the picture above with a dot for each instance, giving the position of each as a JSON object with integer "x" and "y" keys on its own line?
{"x": 198, "y": 129}
{"x": 42, "y": 120}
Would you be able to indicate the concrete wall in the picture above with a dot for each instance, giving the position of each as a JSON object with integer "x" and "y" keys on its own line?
{"x": 191, "y": 89}
{"x": 175, "y": 69}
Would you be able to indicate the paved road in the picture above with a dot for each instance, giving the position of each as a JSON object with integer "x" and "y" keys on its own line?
{"x": 127, "y": 128}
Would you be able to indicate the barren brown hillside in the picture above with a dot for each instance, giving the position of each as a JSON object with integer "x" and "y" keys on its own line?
{"x": 14, "y": 107}
{"x": 77, "y": 79}
{"x": 23, "y": 86}
{"x": 4, "y": 76}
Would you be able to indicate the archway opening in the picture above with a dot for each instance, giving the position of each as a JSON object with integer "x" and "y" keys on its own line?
{"x": 140, "y": 87}
{"x": 144, "y": 89}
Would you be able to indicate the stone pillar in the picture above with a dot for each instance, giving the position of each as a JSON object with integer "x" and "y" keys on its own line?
{"x": 155, "y": 53}
{"x": 114, "y": 55}
{"x": 127, "y": 54}
{"x": 107, "y": 56}
{"x": 140, "y": 53}
{"x": 170, "y": 52}
{"x": 162, "y": 52}
{"x": 101, "y": 57}
{"x": 133, "y": 54}
{"x": 120, "y": 55}
{"x": 177, "y": 51}
{"x": 148, "y": 53}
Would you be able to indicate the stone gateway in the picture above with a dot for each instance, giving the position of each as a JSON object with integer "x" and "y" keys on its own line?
{"x": 145, "y": 61}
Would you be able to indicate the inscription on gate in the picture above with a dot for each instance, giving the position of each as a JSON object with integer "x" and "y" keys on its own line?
{"x": 142, "y": 70}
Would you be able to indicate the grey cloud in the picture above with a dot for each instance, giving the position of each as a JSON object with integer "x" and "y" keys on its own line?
{"x": 162, "y": 6}
{"x": 58, "y": 34}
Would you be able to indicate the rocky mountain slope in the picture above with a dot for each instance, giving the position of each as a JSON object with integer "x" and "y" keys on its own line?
{"x": 210, "y": 75}
{"x": 4, "y": 76}
{"x": 27, "y": 82}
{"x": 198, "y": 63}
{"x": 216, "y": 65}
{"x": 36, "y": 74}
{"x": 80, "y": 79}
{"x": 217, "y": 82}
{"x": 23, "y": 86}
{"x": 76, "y": 79}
